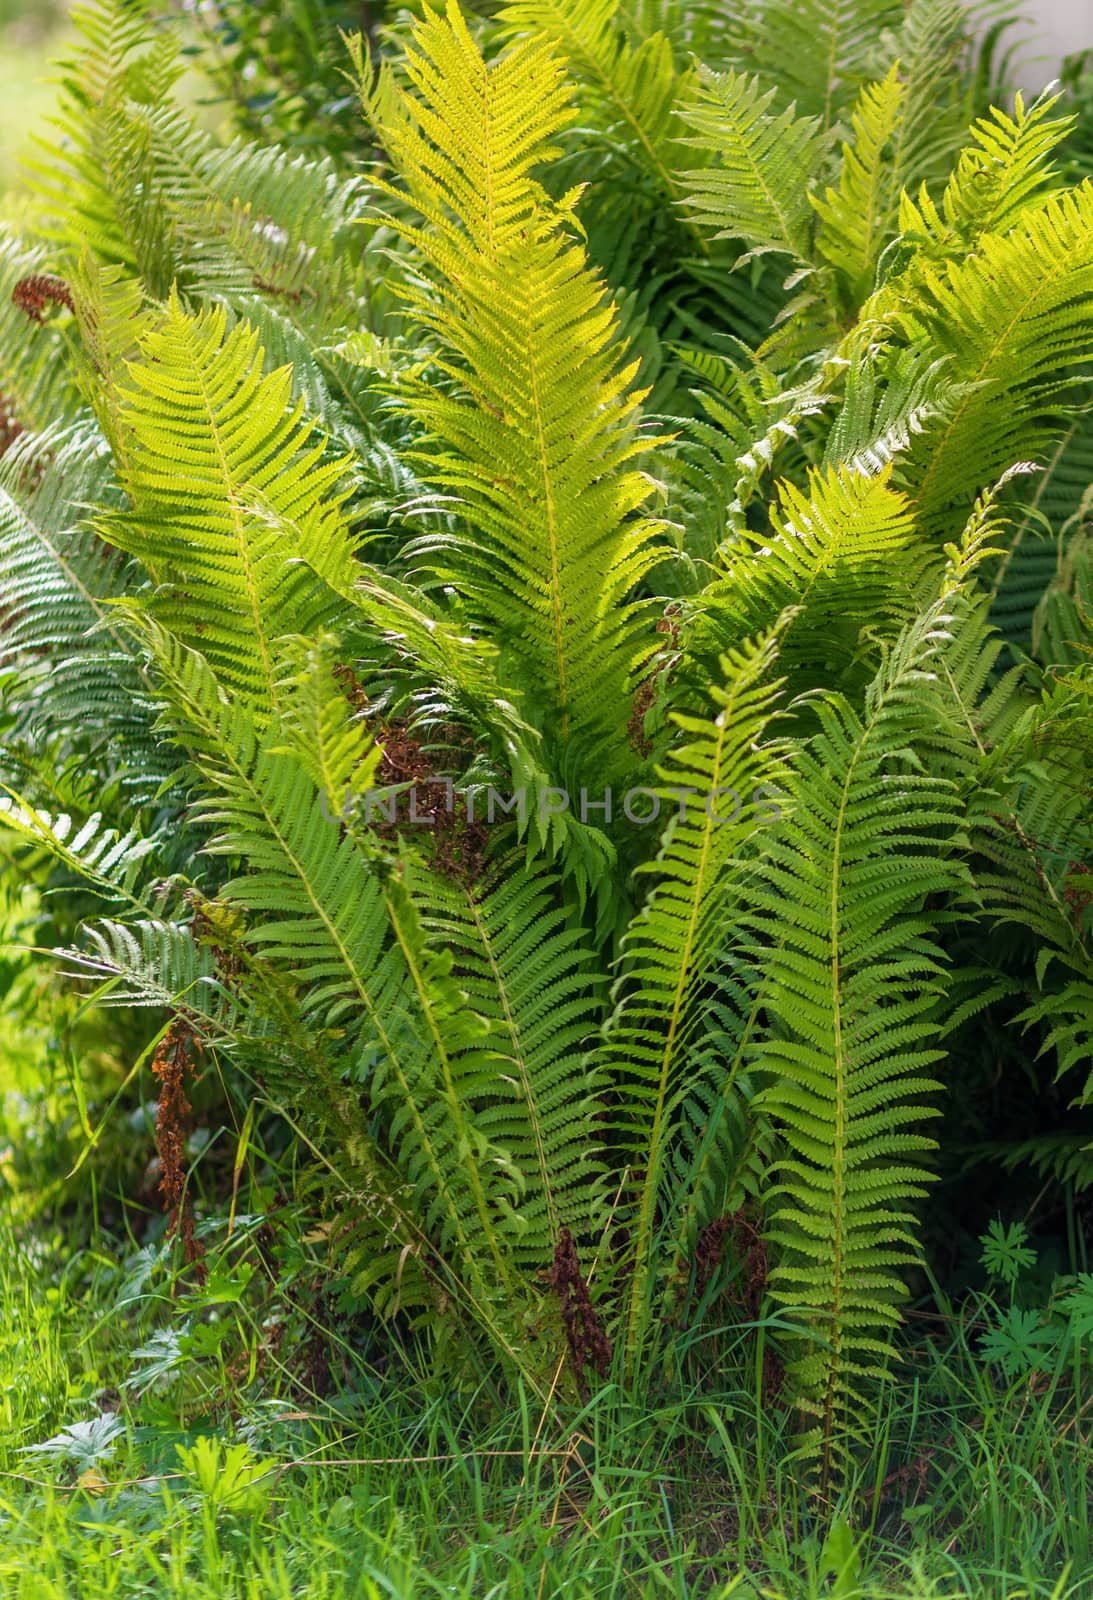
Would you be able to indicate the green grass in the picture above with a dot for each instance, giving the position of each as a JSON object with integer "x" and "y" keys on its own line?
{"x": 230, "y": 1478}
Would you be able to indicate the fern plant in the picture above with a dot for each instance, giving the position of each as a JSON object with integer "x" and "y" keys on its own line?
{"x": 576, "y": 820}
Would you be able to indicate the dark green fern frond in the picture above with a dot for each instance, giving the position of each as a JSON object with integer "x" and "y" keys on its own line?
{"x": 725, "y": 1145}
{"x": 68, "y": 662}
{"x": 1062, "y": 628}
{"x": 842, "y": 556}
{"x": 636, "y": 86}
{"x": 764, "y": 164}
{"x": 1035, "y": 844}
{"x": 986, "y": 701}
{"x": 750, "y": 424}
{"x": 721, "y": 775}
{"x": 1052, "y": 502}
{"x": 854, "y": 975}
{"x": 927, "y": 48}
{"x": 260, "y": 224}
{"x": 1067, "y": 1158}
{"x": 317, "y": 900}
{"x": 528, "y": 976}
{"x": 694, "y": 27}
{"x": 816, "y": 52}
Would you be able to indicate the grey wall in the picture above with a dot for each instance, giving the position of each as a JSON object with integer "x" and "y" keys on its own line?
{"x": 1051, "y": 29}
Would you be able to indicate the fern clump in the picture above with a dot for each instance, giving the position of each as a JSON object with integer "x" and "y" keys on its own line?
{"x": 561, "y": 659}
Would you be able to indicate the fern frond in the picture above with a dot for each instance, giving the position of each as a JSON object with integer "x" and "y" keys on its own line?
{"x": 279, "y": 239}
{"x": 1067, "y": 1158}
{"x": 1066, "y": 1015}
{"x": 763, "y": 167}
{"x": 94, "y": 182}
{"x": 817, "y": 52}
{"x": 256, "y": 218}
{"x": 538, "y": 437}
{"x": 1062, "y": 628}
{"x": 1031, "y": 561}
{"x": 155, "y": 964}
{"x": 1035, "y": 849}
{"x": 725, "y": 1145}
{"x": 109, "y": 862}
{"x": 217, "y": 462}
{"x": 854, "y": 974}
{"x": 722, "y": 772}
{"x": 528, "y": 976}
{"x": 347, "y": 929}
{"x": 57, "y": 585}
{"x": 927, "y": 46}
{"x": 994, "y": 179}
{"x": 1012, "y": 318}
{"x": 889, "y": 397}
{"x": 841, "y": 556}
{"x": 697, "y": 28}
{"x": 985, "y": 702}
{"x": 857, "y": 219}
{"x": 319, "y": 902}
{"x": 637, "y": 86}
{"x": 236, "y": 1005}
{"x": 749, "y": 420}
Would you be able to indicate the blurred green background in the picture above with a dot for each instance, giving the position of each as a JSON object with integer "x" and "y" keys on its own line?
{"x": 31, "y": 34}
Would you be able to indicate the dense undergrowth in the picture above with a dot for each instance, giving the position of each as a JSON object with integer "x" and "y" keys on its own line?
{"x": 545, "y": 690}
{"x": 243, "y": 1442}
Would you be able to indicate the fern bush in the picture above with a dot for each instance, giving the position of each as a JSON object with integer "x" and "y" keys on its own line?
{"x": 560, "y": 657}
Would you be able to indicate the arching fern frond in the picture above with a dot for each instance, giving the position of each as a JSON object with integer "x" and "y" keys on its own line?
{"x": 854, "y": 974}
{"x": 889, "y": 397}
{"x": 109, "y": 862}
{"x": 218, "y": 463}
{"x": 841, "y": 555}
{"x": 995, "y": 178}
{"x": 71, "y": 665}
{"x": 1012, "y": 318}
{"x": 529, "y": 977}
{"x": 156, "y": 964}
